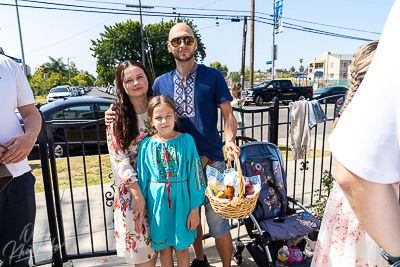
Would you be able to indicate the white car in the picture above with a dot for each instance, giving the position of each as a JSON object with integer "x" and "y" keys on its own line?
{"x": 58, "y": 93}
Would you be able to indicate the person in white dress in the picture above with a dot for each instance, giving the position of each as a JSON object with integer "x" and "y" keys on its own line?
{"x": 366, "y": 143}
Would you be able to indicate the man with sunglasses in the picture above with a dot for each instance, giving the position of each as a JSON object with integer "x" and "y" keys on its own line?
{"x": 197, "y": 90}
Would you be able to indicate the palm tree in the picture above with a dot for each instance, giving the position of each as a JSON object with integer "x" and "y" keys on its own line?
{"x": 56, "y": 65}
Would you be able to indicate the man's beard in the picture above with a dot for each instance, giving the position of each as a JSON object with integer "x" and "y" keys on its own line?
{"x": 176, "y": 56}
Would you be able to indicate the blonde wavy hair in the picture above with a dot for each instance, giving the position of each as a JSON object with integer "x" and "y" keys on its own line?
{"x": 360, "y": 64}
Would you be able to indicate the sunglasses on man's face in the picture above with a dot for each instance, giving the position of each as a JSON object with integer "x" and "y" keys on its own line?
{"x": 187, "y": 40}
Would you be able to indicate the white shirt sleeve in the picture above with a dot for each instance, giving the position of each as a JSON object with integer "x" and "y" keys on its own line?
{"x": 366, "y": 139}
{"x": 24, "y": 91}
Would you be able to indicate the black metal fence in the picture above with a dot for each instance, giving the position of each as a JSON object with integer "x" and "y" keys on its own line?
{"x": 88, "y": 231}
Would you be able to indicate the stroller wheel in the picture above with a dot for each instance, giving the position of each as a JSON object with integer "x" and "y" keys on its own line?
{"x": 238, "y": 247}
{"x": 238, "y": 259}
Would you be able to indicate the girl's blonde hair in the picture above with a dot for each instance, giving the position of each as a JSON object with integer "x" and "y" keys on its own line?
{"x": 161, "y": 100}
{"x": 359, "y": 67}
{"x": 235, "y": 89}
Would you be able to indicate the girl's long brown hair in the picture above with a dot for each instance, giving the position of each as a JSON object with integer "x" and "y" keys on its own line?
{"x": 235, "y": 90}
{"x": 125, "y": 126}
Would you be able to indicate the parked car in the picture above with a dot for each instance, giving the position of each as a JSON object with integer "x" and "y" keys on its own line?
{"x": 59, "y": 92}
{"x": 112, "y": 90}
{"x": 339, "y": 105}
{"x": 283, "y": 89}
{"x": 330, "y": 91}
{"x": 73, "y": 110}
{"x": 74, "y": 92}
{"x": 78, "y": 92}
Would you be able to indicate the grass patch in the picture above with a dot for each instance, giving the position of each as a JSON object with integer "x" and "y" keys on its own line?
{"x": 40, "y": 99}
{"x": 282, "y": 148}
{"x": 318, "y": 153}
{"x": 77, "y": 172}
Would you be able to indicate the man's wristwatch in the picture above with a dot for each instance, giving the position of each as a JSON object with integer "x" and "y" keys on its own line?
{"x": 394, "y": 261}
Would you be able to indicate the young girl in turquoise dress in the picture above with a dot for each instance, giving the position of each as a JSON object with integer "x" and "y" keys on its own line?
{"x": 172, "y": 182}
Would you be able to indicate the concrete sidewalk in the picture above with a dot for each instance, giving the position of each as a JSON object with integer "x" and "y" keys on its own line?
{"x": 100, "y": 222}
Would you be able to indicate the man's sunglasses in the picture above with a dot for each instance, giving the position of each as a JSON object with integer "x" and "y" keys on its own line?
{"x": 187, "y": 40}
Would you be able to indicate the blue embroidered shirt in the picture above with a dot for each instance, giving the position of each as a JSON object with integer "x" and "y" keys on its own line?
{"x": 196, "y": 102}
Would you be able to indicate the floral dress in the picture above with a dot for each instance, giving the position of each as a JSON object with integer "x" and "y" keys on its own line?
{"x": 136, "y": 247}
{"x": 172, "y": 182}
{"x": 341, "y": 240}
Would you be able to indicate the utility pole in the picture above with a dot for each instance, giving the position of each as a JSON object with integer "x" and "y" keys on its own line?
{"x": 69, "y": 71}
{"x": 141, "y": 28}
{"x": 252, "y": 44}
{"x": 273, "y": 46}
{"x": 242, "y": 74}
{"x": 45, "y": 81}
{"x": 20, "y": 38}
{"x": 141, "y": 34}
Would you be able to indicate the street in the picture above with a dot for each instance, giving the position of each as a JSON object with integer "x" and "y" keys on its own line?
{"x": 283, "y": 119}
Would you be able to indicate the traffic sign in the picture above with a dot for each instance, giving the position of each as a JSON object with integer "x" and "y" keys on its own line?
{"x": 19, "y": 61}
{"x": 269, "y": 62}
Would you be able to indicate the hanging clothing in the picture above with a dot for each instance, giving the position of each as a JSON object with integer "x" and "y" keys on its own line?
{"x": 172, "y": 182}
{"x": 300, "y": 135}
{"x": 315, "y": 113}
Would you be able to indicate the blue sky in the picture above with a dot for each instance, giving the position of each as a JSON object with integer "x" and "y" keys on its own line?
{"x": 67, "y": 34}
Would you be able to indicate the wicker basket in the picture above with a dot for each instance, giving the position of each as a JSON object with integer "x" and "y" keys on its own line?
{"x": 234, "y": 210}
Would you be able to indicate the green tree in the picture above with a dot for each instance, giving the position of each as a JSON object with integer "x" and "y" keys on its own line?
{"x": 38, "y": 83}
{"x": 99, "y": 82}
{"x": 106, "y": 74}
{"x": 301, "y": 68}
{"x": 122, "y": 41}
{"x": 286, "y": 75}
{"x": 236, "y": 75}
{"x": 223, "y": 68}
{"x": 82, "y": 80}
{"x": 73, "y": 69}
{"x": 292, "y": 69}
{"x": 57, "y": 65}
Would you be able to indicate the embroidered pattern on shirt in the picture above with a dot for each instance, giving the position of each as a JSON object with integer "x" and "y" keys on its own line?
{"x": 184, "y": 95}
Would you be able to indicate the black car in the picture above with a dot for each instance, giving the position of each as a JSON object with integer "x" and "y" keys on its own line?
{"x": 330, "y": 91}
{"x": 283, "y": 89}
{"x": 73, "y": 110}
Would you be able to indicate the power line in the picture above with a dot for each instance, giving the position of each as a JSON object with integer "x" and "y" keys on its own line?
{"x": 148, "y": 13}
{"x": 319, "y": 32}
{"x": 338, "y": 27}
{"x": 174, "y": 8}
{"x": 315, "y": 30}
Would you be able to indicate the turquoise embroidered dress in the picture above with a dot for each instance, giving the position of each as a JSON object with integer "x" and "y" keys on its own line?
{"x": 172, "y": 182}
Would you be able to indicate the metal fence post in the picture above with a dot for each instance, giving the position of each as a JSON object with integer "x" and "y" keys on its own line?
{"x": 274, "y": 120}
{"x": 51, "y": 214}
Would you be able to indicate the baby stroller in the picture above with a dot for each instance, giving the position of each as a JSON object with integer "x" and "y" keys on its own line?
{"x": 272, "y": 222}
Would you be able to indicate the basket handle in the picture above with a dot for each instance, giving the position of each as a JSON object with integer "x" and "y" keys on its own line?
{"x": 239, "y": 170}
